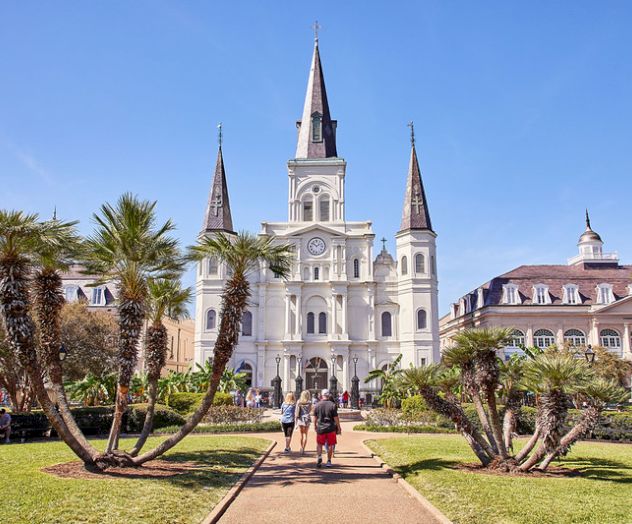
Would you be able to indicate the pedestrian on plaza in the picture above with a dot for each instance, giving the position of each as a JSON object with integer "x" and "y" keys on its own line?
{"x": 345, "y": 399}
{"x": 258, "y": 398}
{"x": 327, "y": 426}
{"x": 303, "y": 417}
{"x": 5, "y": 425}
{"x": 250, "y": 399}
{"x": 288, "y": 419}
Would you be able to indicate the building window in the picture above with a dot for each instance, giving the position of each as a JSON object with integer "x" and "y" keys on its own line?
{"x": 387, "y": 330}
{"x": 98, "y": 296}
{"x": 543, "y": 338}
{"x": 310, "y": 323}
{"x": 517, "y": 339}
{"x": 421, "y": 319}
{"x": 356, "y": 268}
{"x": 246, "y": 324}
{"x": 604, "y": 294}
{"x": 574, "y": 337}
{"x": 316, "y": 273}
{"x": 308, "y": 210}
{"x": 571, "y": 295}
{"x": 322, "y": 323}
{"x": 541, "y": 294}
{"x": 246, "y": 369}
{"x": 404, "y": 265}
{"x": 422, "y": 361}
{"x": 510, "y": 294}
{"x": 211, "y": 319}
{"x": 420, "y": 263}
{"x": 324, "y": 208}
{"x": 610, "y": 339}
{"x": 317, "y": 127}
{"x": 213, "y": 266}
{"x": 71, "y": 293}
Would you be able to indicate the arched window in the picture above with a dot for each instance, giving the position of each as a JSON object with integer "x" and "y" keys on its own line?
{"x": 421, "y": 319}
{"x": 317, "y": 127}
{"x": 246, "y": 324}
{"x": 212, "y": 266}
{"x": 517, "y": 339}
{"x": 420, "y": 263}
{"x": 211, "y": 319}
{"x": 310, "y": 323}
{"x": 543, "y": 338}
{"x": 356, "y": 268}
{"x": 316, "y": 273}
{"x": 308, "y": 209}
{"x": 322, "y": 323}
{"x": 323, "y": 205}
{"x": 246, "y": 369}
{"x": 404, "y": 266}
{"x": 610, "y": 339}
{"x": 575, "y": 337}
{"x": 387, "y": 330}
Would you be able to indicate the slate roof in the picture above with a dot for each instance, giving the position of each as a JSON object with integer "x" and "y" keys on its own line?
{"x": 586, "y": 277}
{"x": 415, "y": 214}
{"x": 218, "y": 216}
{"x": 316, "y": 102}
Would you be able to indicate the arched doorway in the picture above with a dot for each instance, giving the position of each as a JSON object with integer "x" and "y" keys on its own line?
{"x": 316, "y": 374}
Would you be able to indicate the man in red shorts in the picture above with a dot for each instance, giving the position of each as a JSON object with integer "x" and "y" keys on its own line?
{"x": 327, "y": 426}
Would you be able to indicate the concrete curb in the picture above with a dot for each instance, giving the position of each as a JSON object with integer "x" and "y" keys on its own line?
{"x": 440, "y": 517}
{"x": 228, "y": 499}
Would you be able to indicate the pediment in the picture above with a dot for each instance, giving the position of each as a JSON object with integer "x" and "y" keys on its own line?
{"x": 313, "y": 228}
{"x": 622, "y": 306}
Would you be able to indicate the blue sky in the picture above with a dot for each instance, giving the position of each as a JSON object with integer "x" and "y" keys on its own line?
{"x": 522, "y": 112}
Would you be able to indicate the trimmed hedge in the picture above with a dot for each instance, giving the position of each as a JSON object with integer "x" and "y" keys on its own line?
{"x": 186, "y": 403}
{"x": 163, "y": 417}
{"x": 402, "y": 429}
{"x": 258, "y": 427}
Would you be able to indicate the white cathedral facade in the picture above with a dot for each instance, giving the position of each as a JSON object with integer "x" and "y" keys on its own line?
{"x": 340, "y": 301}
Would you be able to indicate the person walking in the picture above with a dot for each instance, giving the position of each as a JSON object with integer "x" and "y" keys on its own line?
{"x": 345, "y": 399}
{"x": 327, "y": 426}
{"x": 303, "y": 417}
{"x": 5, "y": 425}
{"x": 288, "y": 419}
{"x": 258, "y": 398}
{"x": 250, "y": 399}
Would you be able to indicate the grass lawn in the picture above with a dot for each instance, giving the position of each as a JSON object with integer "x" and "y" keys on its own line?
{"x": 31, "y": 496}
{"x": 601, "y": 495}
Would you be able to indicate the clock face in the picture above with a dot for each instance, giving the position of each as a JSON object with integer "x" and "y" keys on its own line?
{"x": 316, "y": 246}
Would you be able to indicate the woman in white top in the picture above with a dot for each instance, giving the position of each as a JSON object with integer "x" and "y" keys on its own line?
{"x": 303, "y": 417}
{"x": 250, "y": 399}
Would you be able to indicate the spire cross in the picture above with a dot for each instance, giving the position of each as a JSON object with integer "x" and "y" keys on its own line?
{"x": 417, "y": 202}
{"x": 220, "y": 136}
{"x": 316, "y": 26}
{"x": 587, "y": 220}
{"x": 216, "y": 204}
{"x": 383, "y": 240}
{"x": 412, "y": 132}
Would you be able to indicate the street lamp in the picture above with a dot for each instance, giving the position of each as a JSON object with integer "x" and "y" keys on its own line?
{"x": 590, "y": 355}
{"x": 63, "y": 353}
{"x": 355, "y": 385}
{"x": 333, "y": 381}
{"x": 276, "y": 384}
{"x": 299, "y": 378}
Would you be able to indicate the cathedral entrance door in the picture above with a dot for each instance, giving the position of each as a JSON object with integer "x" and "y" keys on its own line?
{"x": 316, "y": 374}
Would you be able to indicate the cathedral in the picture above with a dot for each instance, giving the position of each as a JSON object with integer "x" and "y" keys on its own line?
{"x": 342, "y": 309}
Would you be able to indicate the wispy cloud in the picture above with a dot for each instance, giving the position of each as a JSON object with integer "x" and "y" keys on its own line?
{"x": 29, "y": 161}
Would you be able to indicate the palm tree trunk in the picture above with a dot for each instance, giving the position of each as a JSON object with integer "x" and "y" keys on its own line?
{"x": 528, "y": 447}
{"x": 234, "y": 301}
{"x": 131, "y": 316}
{"x": 156, "y": 353}
{"x": 495, "y": 422}
{"x": 482, "y": 416}
{"x": 533, "y": 459}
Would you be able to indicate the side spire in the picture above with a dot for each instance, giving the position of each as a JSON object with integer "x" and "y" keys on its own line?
{"x": 316, "y": 129}
{"x": 415, "y": 214}
{"x": 218, "y": 216}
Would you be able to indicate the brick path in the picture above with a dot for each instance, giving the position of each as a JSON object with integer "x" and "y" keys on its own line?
{"x": 290, "y": 489}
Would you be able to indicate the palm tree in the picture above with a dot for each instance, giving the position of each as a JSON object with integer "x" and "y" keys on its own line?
{"x": 242, "y": 254}
{"x": 232, "y": 380}
{"x": 388, "y": 378}
{"x": 22, "y": 237}
{"x": 128, "y": 248}
{"x": 93, "y": 390}
{"x": 166, "y": 299}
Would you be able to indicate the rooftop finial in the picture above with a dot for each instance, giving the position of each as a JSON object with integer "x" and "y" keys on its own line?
{"x": 383, "y": 240}
{"x": 316, "y": 26}
{"x": 412, "y": 133}
{"x": 55, "y": 213}
{"x": 220, "y": 136}
{"x": 587, "y": 220}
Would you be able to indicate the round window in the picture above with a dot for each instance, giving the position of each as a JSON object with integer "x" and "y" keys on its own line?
{"x": 316, "y": 189}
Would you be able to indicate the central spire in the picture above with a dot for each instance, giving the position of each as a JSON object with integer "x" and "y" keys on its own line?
{"x": 316, "y": 130}
{"x": 415, "y": 214}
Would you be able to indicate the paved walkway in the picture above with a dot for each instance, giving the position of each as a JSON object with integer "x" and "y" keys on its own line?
{"x": 289, "y": 488}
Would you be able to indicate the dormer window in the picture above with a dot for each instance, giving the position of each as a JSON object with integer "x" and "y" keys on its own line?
{"x": 541, "y": 294}
{"x": 71, "y": 293}
{"x": 317, "y": 127}
{"x": 571, "y": 294}
{"x": 510, "y": 294}
{"x": 98, "y": 296}
{"x": 604, "y": 294}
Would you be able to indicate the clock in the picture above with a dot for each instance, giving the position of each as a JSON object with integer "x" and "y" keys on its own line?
{"x": 316, "y": 246}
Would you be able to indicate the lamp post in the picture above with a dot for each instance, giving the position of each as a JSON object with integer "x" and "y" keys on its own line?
{"x": 63, "y": 353}
{"x": 276, "y": 384}
{"x": 590, "y": 355}
{"x": 333, "y": 381}
{"x": 355, "y": 385}
{"x": 299, "y": 378}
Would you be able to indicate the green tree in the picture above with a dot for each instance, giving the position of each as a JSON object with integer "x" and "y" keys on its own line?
{"x": 391, "y": 391}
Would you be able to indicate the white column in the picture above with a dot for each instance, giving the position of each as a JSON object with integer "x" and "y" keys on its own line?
{"x": 299, "y": 318}
{"x": 371, "y": 316}
{"x": 332, "y": 315}
{"x": 345, "y": 372}
{"x": 286, "y": 374}
{"x": 560, "y": 337}
{"x": 626, "y": 341}
{"x": 287, "y": 316}
{"x": 594, "y": 332}
{"x": 344, "y": 316}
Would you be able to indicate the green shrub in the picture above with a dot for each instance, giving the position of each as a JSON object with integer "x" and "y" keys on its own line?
{"x": 93, "y": 420}
{"x": 223, "y": 399}
{"x": 258, "y": 427}
{"x": 403, "y": 429}
{"x": 232, "y": 415}
{"x": 414, "y": 407}
{"x": 186, "y": 403}
{"x": 163, "y": 417}
{"x": 384, "y": 417}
